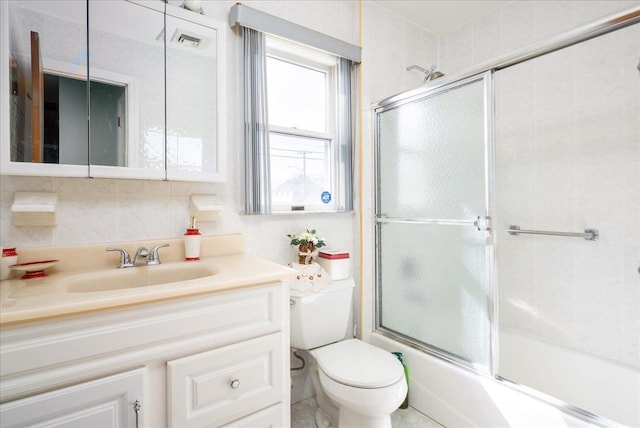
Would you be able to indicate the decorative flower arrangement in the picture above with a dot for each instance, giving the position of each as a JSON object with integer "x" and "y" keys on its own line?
{"x": 307, "y": 243}
{"x": 308, "y": 237}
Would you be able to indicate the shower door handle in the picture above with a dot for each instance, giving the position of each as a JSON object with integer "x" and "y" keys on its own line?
{"x": 480, "y": 223}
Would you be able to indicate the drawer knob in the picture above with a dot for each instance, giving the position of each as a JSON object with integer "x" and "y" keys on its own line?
{"x": 235, "y": 384}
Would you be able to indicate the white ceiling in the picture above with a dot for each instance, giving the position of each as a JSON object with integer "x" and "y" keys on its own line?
{"x": 440, "y": 16}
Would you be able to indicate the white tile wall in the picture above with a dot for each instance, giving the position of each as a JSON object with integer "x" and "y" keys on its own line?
{"x": 390, "y": 45}
{"x": 515, "y": 25}
{"x": 103, "y": 210}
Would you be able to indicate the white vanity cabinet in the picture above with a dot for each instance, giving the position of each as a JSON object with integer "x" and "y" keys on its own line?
{"x": 209, "y": 360}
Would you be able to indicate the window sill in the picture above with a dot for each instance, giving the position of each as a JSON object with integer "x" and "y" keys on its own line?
{"x": 296, "y": 213}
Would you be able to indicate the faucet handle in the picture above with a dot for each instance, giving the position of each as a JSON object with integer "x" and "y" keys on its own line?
{"x": 154, "y": 258}
{"x": 125, "y": 258}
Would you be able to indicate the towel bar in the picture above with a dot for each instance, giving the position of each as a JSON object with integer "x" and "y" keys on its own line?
{"x": 589, "y": 234}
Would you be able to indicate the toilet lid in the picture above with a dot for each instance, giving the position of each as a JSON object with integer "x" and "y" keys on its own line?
{"x": 356, "y": 363}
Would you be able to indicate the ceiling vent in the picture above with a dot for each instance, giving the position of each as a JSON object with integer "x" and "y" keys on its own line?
{"x": 186, "y": 39}
{"x": 190, "y": 39}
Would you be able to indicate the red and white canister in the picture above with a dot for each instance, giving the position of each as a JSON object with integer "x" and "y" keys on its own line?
{"x": 9, "y": 258}
{"x": 192, "y": 238}
{"x": 336, "y": 263}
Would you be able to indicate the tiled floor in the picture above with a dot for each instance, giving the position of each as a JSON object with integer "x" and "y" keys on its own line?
{"x": 303, "y": 416}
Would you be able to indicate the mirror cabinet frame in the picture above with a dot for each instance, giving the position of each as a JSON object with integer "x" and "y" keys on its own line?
{"x": 8, "y": 167}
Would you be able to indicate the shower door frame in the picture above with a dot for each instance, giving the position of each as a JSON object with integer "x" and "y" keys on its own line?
{"x": 600, "y": 27}
{"x": 483, "y": 223}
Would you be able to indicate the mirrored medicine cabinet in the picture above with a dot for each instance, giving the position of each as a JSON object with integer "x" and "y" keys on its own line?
{"x": 119, "y": 89}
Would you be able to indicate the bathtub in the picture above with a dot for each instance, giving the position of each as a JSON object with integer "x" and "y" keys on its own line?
{"x": 456, "y": 397}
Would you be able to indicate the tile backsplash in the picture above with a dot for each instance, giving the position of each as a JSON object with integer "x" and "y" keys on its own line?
{"x": 102, "y": 210}
{"x": 94, "y": 211}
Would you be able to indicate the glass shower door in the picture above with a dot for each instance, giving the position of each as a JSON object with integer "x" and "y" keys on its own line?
{"x": 432, "y": 245}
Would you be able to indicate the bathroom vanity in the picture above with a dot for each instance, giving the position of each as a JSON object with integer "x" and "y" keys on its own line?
{"x": 208, "y": 351}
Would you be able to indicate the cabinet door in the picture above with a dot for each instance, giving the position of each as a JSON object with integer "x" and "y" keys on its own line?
{"x": 105, "y": 402}
{"x": 222, "y": 385}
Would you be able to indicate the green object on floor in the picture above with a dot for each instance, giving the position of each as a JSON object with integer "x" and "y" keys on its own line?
{"x": 405, "y": 403}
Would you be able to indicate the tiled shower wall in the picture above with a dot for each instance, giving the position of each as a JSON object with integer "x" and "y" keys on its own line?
{"x": 568, "y": 158}
{"x": 607, "y": 278}
{"x": 515, "y": 25}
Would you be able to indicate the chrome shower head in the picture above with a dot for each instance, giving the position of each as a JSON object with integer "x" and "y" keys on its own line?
{"x": 428, "y": 74}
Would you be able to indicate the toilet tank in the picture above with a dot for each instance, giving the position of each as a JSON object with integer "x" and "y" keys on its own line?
{"x": 320, "y": 318}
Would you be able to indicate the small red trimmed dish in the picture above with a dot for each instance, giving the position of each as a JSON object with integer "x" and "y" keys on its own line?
{"x": 34, "y": 269}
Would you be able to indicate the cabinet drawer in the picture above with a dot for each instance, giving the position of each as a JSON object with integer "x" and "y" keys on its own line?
{"x": 271, "y": 417}
{"x": 218, "y": 386}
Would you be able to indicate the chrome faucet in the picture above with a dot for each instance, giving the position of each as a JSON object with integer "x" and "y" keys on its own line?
{"x": 141, "y": 252}
{"x": 152, "y": 257}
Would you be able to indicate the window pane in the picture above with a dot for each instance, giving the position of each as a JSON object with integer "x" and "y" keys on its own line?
{"x": 299, "y": 171}
{"x": 297, "y": 96}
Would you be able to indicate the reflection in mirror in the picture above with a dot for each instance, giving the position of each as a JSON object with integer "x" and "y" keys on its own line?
{"x": 191, "y": 98}
{"x": 108, "y": 123}
{"x": 48, "y": 40}
{"x": 17, "y": 105}
{"x": 65, "y": 120}
{"x": 126, "y": 71}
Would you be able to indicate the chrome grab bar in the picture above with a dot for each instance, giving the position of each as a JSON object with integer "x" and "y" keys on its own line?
{"x": 589, "y": 234}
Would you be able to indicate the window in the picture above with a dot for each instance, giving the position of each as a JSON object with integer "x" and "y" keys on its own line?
{"x": 301, "y": 99}
{"x": 298, "y": 125}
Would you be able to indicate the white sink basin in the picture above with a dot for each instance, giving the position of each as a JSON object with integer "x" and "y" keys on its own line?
{"x": 143, "y": 276}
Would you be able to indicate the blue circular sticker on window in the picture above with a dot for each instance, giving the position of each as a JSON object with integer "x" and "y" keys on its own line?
{"x": 326, "y": 197}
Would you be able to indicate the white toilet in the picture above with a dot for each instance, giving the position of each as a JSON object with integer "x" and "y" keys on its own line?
{"x": 357, "y": 384}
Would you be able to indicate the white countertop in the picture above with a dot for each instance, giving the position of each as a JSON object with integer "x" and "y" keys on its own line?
{"x": 41, "y": 298}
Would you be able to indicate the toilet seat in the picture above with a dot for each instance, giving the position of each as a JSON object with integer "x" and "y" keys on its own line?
{"x": 358, "y": 364}
{"x": 365, "y": 402}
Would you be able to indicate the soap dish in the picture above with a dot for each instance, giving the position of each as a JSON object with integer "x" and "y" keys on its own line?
{"x": 34, "y": 269}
